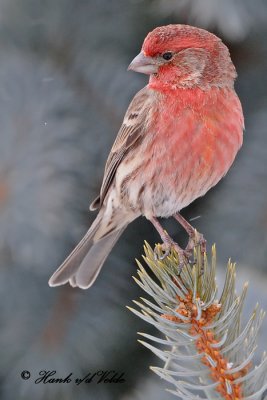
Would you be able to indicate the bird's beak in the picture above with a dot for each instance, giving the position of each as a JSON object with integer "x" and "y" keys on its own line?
{"x": 143, "y": 64}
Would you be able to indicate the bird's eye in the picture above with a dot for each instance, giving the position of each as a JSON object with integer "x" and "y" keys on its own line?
{"x": 167, "y": 56}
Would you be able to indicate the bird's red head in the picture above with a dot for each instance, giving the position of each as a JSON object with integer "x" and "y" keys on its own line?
{"x": 184, "y": 56}
{"x": 176, "y": 38}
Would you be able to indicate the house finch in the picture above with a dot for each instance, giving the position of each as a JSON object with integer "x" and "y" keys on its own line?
{"x": 179, "y": 137}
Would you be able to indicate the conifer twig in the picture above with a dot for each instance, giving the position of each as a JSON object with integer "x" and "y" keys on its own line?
{"x": 207, "y": 353}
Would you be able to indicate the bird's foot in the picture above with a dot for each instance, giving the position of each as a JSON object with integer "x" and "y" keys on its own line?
{"x": 195, "y": 240}
{"x": 163, "y": 250}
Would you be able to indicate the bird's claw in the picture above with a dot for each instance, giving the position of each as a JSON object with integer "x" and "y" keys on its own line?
{"x": 192, "y": 261}
{"x": 185, "y": 256}
{"x": 164, "y": 248}
{"x": 194, "y": 241}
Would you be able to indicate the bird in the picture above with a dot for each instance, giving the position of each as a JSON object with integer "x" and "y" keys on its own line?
{"x": 179, "y": 137}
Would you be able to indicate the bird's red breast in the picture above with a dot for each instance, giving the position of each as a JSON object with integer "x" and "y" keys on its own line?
{"x": 194, "y": 136}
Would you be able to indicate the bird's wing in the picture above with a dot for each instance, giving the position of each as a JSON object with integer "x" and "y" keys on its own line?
{"x": 131, "y": 130}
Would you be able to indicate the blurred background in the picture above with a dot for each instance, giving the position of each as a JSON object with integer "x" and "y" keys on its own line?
{"x": 64, "y": 89}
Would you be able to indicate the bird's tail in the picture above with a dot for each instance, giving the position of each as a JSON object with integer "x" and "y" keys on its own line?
{"x": 83, "y": 265}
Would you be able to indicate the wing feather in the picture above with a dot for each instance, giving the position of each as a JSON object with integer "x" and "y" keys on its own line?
{"x": 130, "y": 132}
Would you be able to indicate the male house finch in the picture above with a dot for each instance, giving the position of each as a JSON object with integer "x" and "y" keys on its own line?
{"x": 179, "y": 137}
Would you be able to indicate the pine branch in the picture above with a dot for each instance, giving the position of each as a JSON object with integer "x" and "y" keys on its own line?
{"x": 207, "y": 353}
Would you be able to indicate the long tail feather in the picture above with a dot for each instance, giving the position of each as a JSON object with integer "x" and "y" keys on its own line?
{"x": 83, "y": 265}
{"x": 89, "y": 270}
